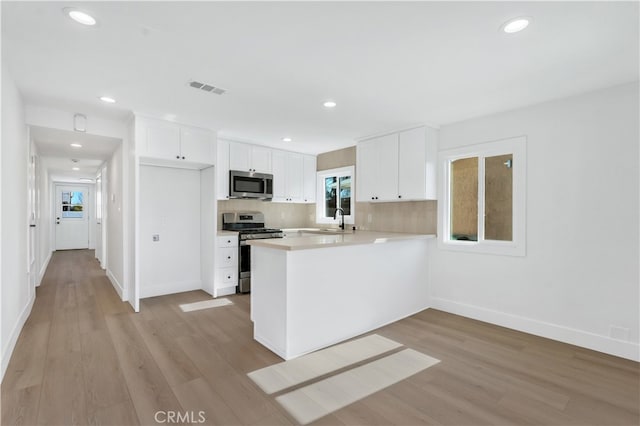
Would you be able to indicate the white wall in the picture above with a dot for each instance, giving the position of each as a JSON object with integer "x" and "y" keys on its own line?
{"x": 115, "y": 241}
{"x": 16, "y": 294}
{"x": 170, "y": 208}
{"x": 44, "y": 219}
{"x": 580, "y": 274}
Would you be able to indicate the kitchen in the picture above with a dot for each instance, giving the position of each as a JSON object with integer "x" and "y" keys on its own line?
{"x": 547, "y": 257}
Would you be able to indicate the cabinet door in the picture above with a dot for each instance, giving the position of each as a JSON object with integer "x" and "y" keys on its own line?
{"x": 279, "y": 176}
{"x": 412, "y": 165}
{"x": 239, "y": 156}
{"x": 309, "y": 190}
{"x": 261, "y": 159}
{"x": 163, "y": 140}
{"x": 222, "y": 171}
{"x": 295, "y": 177}
{"x": 196, "y": 145}
{"x": 366, "y": 163}
{"x": 387, "y": 168}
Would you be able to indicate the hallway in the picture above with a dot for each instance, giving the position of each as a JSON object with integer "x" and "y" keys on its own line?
{"x": 84, "y": 358}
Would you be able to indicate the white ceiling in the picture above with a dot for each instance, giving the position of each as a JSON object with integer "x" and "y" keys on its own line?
{"x": 388, "y": 65}
{"x": 55, "y": 146}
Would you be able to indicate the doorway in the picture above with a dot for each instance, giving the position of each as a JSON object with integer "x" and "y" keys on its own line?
{"x": 72, "y": 210}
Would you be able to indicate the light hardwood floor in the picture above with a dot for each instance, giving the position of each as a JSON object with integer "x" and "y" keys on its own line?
{"x": 85, "y": 358}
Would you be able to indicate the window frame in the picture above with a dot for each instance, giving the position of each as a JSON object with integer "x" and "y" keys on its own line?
{"x": 517, "y": 246}
{"x": 320, "y": 206}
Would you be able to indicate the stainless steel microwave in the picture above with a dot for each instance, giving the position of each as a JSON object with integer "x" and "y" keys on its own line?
{"x": 250, "y": 185}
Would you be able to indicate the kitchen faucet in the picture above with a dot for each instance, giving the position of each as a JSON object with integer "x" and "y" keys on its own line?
{"x": 335, "y": 214}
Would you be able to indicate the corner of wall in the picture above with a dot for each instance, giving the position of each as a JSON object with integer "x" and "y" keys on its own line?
{"x": 13, "y": 336}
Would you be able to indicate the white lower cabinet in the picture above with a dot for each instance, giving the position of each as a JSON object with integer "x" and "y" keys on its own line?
{"x": 226, "y": 275}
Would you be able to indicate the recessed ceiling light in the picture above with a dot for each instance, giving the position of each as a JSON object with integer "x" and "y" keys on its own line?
{"x": 75, "y": 168}
{"x": 286, "y": 139}
{"x": 76, "y": 145}
{"x": 329, "y": 104}
{"x": 80, "y": 17}
{"x": 107, "y": 99}
{"x": 516, "y": 25}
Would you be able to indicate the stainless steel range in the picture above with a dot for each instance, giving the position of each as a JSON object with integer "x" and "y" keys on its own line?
{"x": 250, "y": 226}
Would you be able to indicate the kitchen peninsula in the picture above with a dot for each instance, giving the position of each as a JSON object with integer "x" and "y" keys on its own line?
{"x": 312, "y": 291}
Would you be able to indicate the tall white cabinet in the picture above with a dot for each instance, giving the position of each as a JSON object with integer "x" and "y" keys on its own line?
{"x": 175, "y": 224}
{"x": 400, "y": 166}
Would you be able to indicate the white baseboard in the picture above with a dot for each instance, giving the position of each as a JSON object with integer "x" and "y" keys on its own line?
{"x": 168, "y": 288}
{"x": 225, "y": 291}
{"x": 15, "y": 333}
{"x": 43, "y": 269}
{"x": 114, "y": 282}
{"x": 623, "y": 349}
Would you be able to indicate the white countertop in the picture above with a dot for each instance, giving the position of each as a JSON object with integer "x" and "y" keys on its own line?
{"x": 227, "y": 233}
{"x": 336, "y": 239}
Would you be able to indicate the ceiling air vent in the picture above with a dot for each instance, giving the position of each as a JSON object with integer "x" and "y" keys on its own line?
{"x": 206, "y": 87}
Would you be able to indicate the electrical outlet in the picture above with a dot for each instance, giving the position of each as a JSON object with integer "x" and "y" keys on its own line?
{"x": 369, "y": 218}
{"x": 156, "y": 237}
{"x": 618, "y": 333}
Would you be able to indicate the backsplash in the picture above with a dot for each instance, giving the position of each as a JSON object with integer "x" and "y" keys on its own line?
{"x": 407, "y": 216}
{"x": 276, "y": 215}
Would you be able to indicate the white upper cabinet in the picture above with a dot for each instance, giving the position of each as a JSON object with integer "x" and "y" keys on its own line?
{"x": 309, "y": 184}
{"x": 222, "y": 147}
{"x": 196, "y": 145}
{"x": 377, "y": 169}
{"x": 417, "y": 152}
{"x": 161, "y": 142}
{"x": 288, "y": 177}
{"x": 250, "y": 158}
{"x": 397, "y": 167}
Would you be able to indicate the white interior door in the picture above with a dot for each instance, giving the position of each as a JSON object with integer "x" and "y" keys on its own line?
{"x": 32, "y": 207}
{"x": 72, "y": 217}
{"x": 98, "y": 217}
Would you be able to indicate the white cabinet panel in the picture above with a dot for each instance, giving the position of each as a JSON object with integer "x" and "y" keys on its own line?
{"x": 239, "y": 156}
{"x": 261, "y": 159}
{"x": 377, "y": 169}
{"x": 250, "y": 158}
{"x": 279, "y": 164}
{"x": 295, "y": 176}
{"x": 412, "y": 182}
{"x": 162, "y": 140}
{"x": 309, "y": 170}
{"x": 366, "y": 170}
{"x": 387, "y": 168}
{"x": 196, "y": 145}
{"x": 222, "y": 169}
{"x": 227, "y": 257}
